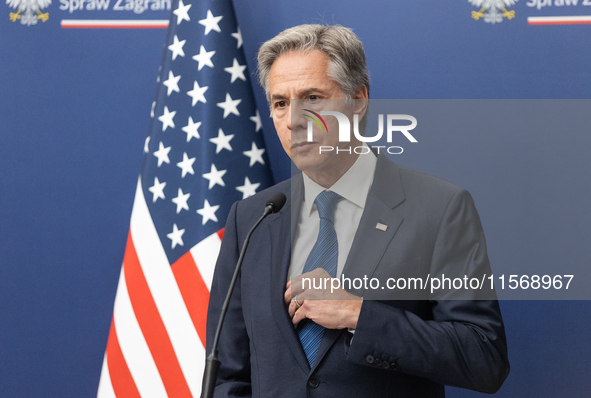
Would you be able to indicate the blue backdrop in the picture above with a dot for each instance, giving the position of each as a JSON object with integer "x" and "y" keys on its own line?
{"x": 74, "y": 113}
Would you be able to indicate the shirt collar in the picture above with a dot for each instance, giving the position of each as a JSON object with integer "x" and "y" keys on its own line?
{"x": 353, "y": 185}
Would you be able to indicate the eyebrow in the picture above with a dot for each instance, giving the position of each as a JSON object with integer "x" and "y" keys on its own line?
{"x": 277, "y": 97}
{"x": 299, "y": 94}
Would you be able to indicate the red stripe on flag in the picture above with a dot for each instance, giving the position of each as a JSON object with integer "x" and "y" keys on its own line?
{"x": 221, "y": 233}
{"x": 194, "y": 292}
{"x": 152, "y": 326}
{"x": 121, "y": 379}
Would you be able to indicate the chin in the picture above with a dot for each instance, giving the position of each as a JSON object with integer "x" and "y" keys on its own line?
{"x": 310, "y": 163}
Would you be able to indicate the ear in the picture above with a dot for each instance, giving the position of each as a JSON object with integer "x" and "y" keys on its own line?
{"x": 361, "y": 93}
{"x": 362, "y": 97}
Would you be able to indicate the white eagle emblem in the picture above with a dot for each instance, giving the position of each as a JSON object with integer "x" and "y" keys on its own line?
{"x": 30, "y": 9}
{"x": 493, "y": 11}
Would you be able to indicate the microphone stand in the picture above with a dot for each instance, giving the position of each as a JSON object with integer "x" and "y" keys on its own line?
{"x": 212, "y": 365}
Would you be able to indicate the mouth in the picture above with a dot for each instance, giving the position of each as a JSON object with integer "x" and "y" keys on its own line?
{"x": 302, "y": 145}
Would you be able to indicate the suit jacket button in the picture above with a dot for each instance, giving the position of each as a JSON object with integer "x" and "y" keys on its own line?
{"x": 385, "y": 365}
{"x": 394, "y": 366}
{"x": 377, "y": 362}
{"x": 369, "y": 359}
{"x": 313, "y": 382}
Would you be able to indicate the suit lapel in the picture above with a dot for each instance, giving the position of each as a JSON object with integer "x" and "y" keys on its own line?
{"x": 281, "y": 230}
{"x": 370, "y": 242}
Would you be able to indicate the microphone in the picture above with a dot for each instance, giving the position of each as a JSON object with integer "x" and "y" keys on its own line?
{"x": 276, "y": 202}
{"x": 212, "y": 365}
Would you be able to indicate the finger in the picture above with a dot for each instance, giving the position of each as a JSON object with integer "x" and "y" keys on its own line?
{"x": 299, "y": 315}
{"x": 296, "y": 286}
{"x": 287, "y": 295}
{"x": 296, "y": 305}
{"x": 292, "y": 308}
{"x": 288, "y": 284}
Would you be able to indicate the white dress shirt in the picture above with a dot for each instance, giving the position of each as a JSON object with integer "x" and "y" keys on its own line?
{"x": 353, "y": 186}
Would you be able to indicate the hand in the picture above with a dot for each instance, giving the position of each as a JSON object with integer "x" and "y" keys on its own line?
{"x": 331, "y": 307}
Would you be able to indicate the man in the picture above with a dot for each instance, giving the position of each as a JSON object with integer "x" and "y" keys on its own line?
{"x": 354, "y": 215}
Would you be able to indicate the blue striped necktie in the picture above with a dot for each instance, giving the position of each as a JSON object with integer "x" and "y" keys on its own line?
{"x": 324, "y": 254}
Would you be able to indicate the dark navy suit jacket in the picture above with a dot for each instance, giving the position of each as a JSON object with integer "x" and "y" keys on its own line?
{"x": 401, "y": 348}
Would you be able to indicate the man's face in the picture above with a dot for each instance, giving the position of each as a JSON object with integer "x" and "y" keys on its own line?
{"x": 303, "y": 76}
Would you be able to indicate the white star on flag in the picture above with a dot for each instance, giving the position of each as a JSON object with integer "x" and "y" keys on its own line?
{"x": 204, "y": 57}
{"x": 172, "y": 83}
{"x": 208, "y": 212}
{"x": 147, "y": 144}
{"x": 238, "y": 37}
{"x": 181, "y": 201}
{"x": 186, "y": 165}
{"x": 157, "y": 189}
{"x": 215, "y": 176}
{"x": 230, "y": 106}
{"x": 222, "y": 141}
{"x": 197, "y": 94}
{"x": 176, "y": 236}
{"x": 191, "y": 129}
{"x": 177, "y": 48}
{"x": 255, "y": 154}
{"x": 162, "y": 154}
{"x": 182, "y": 12}
{"x": 248, "y": 189}
{"x": 167, "y": 119}
{"x": 211, "y": 23}
{"x": 236, "y": 70}
{"x": 257, "y": 120}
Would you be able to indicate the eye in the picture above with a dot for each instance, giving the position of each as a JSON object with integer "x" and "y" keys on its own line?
{"x": 280, "y": 104}
{"x": 313, "y": 98}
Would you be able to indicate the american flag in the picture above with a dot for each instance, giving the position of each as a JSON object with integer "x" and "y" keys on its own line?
{"x": 205, "y": 151}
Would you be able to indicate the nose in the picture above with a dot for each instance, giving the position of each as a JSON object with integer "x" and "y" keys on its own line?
{"x": 289, "y": 118}
{"x": 296, "y": 121}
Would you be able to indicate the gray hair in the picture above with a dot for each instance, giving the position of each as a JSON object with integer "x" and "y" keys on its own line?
{"x": 347, "y": 66}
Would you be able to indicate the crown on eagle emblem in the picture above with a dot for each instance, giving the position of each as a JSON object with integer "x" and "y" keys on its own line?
{"x": 29, "y": 11}
{"x": 493, "y": 11}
